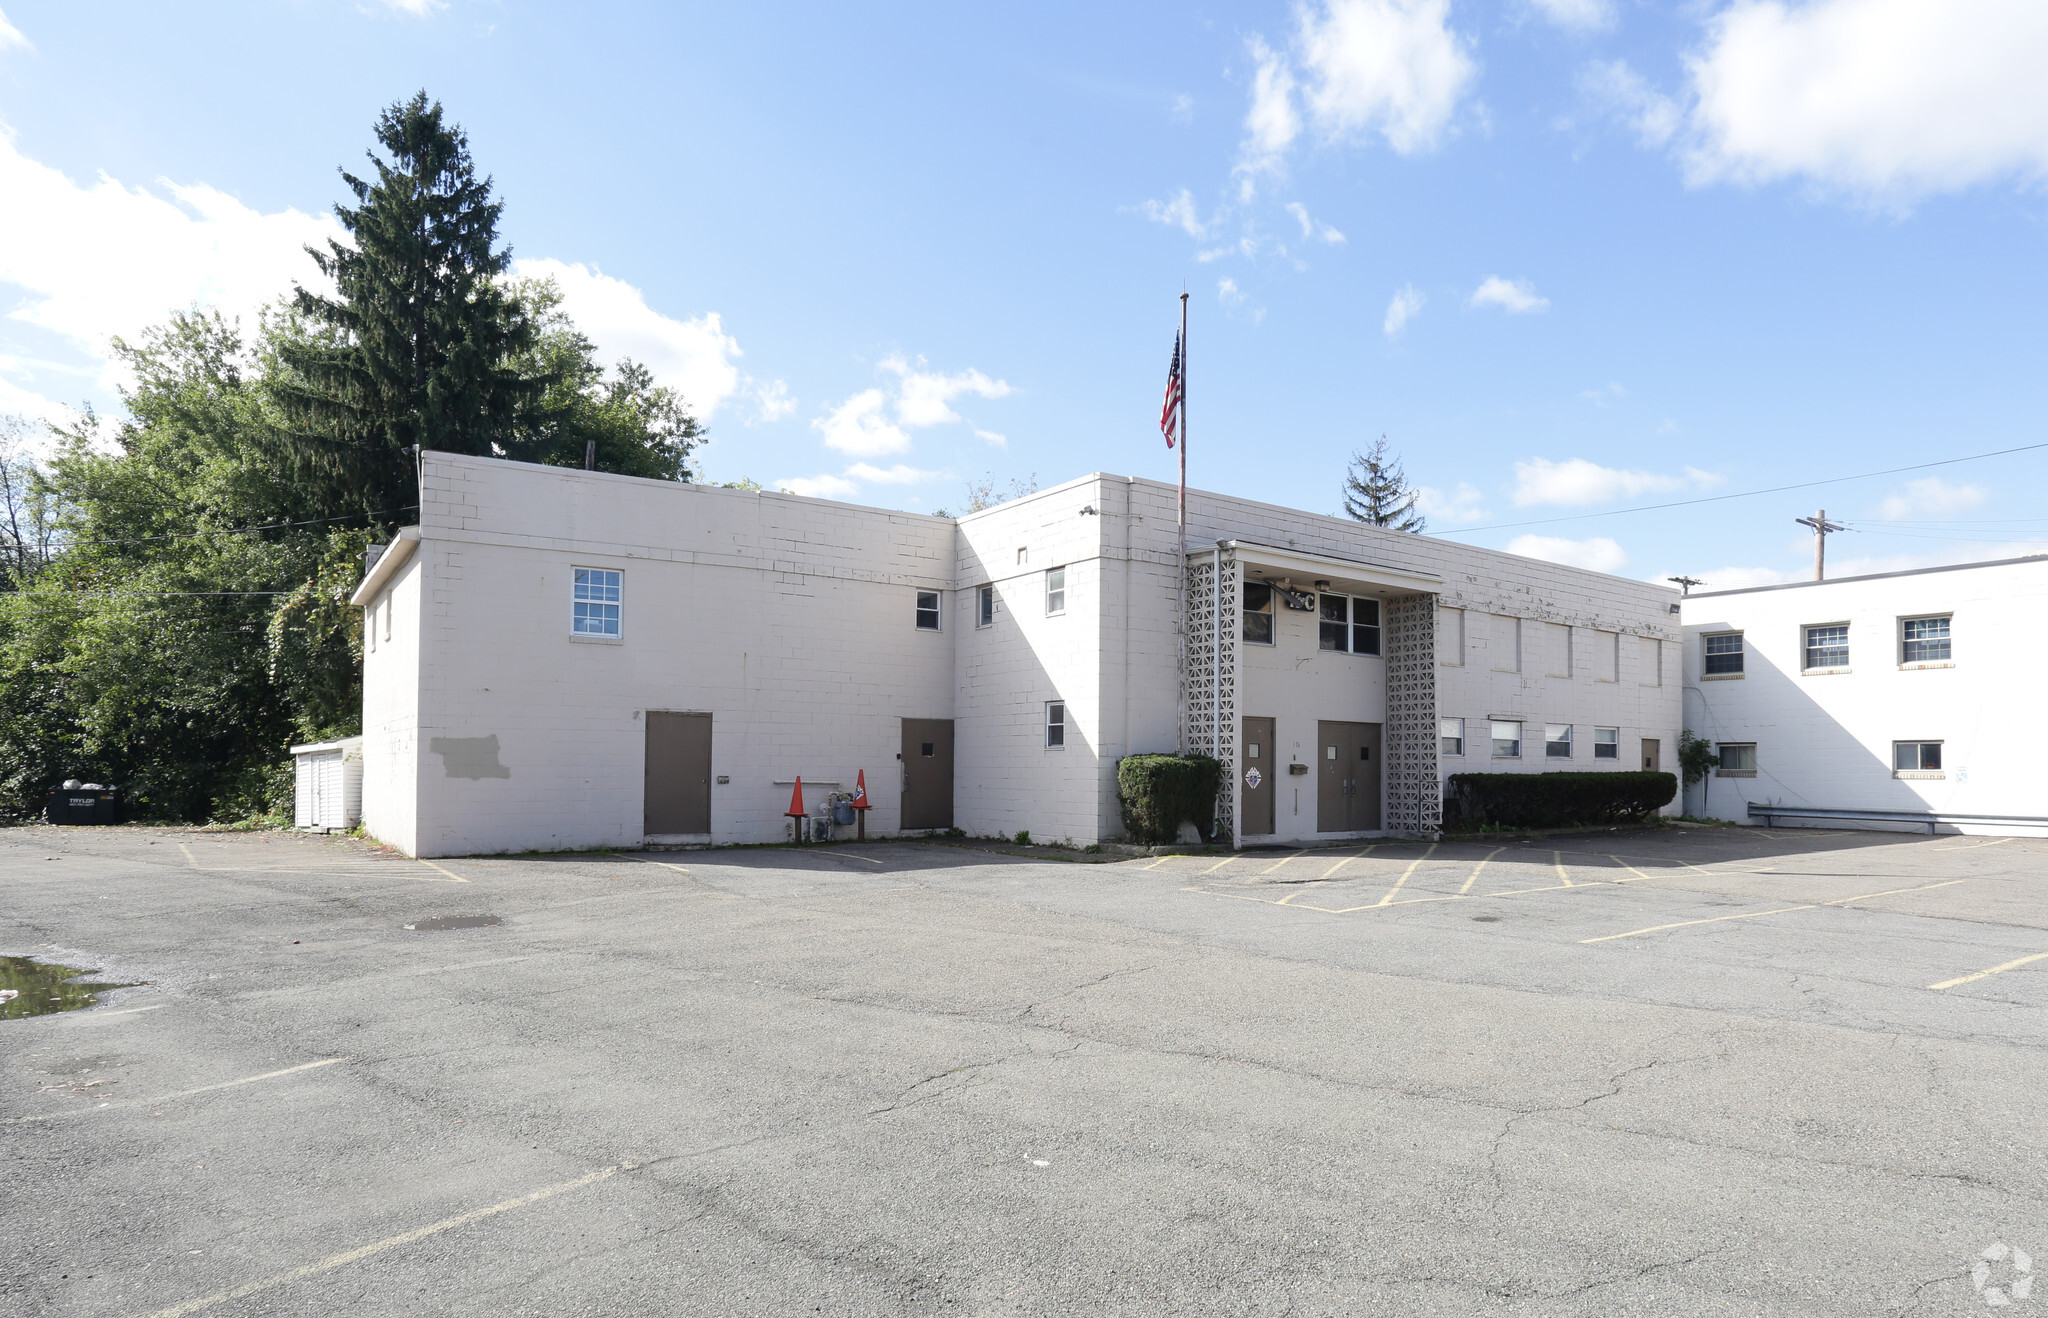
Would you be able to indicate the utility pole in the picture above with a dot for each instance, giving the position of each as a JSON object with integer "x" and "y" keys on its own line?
{"x": 1821, "y": 526}
{"x": 1685, "y": 584}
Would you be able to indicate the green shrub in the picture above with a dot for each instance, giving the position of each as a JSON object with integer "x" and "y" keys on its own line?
{"x": 1023, "y": 837}
{"x": 1161, "y": 792}
{"x": 1554, "y": 800}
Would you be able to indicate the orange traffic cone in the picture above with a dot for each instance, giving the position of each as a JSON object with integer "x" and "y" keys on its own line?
{"x": 796, "y": 808}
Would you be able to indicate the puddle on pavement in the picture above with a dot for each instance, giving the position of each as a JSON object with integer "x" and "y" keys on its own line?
{"x": 37, "y": 988}
{"x": 454, "y": 922}
{"x": 1486, "y": 919}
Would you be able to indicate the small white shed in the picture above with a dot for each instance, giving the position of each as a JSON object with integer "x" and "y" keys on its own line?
{"x": 329, "y": 784}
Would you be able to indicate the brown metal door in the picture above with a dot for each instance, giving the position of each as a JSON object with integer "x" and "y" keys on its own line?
{"x": 1365, "y": 783}
{"x": 1653, "y": 751}
{"x": 678, "y": 783}
{"x": 1257, "y": 775}
{"x": 927, "y": 773}
{"x": 1347, "y": 777}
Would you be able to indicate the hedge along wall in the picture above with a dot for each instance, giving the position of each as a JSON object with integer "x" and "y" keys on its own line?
{"x": 1161, "y": 792}
{"x": 1554, "y": 800}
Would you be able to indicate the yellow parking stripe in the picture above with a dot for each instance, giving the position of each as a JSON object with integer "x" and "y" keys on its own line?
{"x": 1473, "y": 877}
{"x": 1346, "y": 861}
{"x": 1388, "y": 900}
{"x": 1751, "y": 915}
{"x": 1557, "y": 859}
{"x": 1995, "y": 970}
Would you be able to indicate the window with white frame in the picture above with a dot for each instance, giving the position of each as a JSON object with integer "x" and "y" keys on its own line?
{"x": 1055, "y": 590}
{"x": 1450, "y": 735}
{"x": 1557, "y": 741}
{"x": 1055, "y": 724}
{"x": 927, "y": 610}
{"x": 1827, "y": 646}
{"x": 1507, "y": 739}
{"x": 1607, "y": 743}
{"x": 1723, "y": 652}
{"x": 1258, "y": 613}
{"x": 1349, "y": 625}
{"x": 1923, "y": 640}
{"x": 597, "y": 600}
{"x": 1737, "y": 759}
{"x": 1916, "y": 757}
{"x": 985, "y": 606}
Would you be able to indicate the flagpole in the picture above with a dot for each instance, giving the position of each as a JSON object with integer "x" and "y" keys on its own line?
{"x": 1182, "y": 523}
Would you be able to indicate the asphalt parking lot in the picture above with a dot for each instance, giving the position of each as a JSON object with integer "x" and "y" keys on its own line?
{"x": 1675, "y": 1072}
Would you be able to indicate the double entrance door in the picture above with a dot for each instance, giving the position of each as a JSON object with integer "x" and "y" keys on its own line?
{"x": 1347, "y": 777}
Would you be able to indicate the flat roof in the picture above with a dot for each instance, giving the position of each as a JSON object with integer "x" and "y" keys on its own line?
{"x": 1874, "y": 576}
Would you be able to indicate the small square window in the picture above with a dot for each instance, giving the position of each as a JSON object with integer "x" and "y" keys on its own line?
{"x": 1923, "y": 640}
{"x": 928, "y": 610}
{"x": 1258, "y": 613}
{"x": 1916, "y": 757}
{"x": 1557, "y": 741}
{"x": 1450, "y": 735}
{"x": 1737, "y": 759}
{"x": 1507, "y": 740}
{"x": 1055, "y": 590}
{"x": 595, "y": 603}
{"x": 1724, "y": 655}
{"x": 1827, "y": 647}
{"x": 1607, "y": 743}
{"x": 1055, "y": 724}
{"x": 985, "y": 606}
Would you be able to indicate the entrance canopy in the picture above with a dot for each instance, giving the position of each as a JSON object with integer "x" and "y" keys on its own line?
{"x": 1310, "y": 572}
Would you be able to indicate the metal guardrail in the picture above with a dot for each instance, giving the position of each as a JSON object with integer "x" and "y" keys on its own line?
{"x": 1767, "y": 813}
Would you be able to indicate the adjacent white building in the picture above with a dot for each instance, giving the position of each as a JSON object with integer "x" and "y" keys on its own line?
{"x": 1903, "y": 693}
{"x": 563, "y": 659}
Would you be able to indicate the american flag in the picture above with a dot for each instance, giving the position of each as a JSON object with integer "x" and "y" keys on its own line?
{"x": 1169, "y": 415}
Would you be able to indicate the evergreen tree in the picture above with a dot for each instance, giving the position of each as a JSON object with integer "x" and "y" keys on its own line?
{"x": 1376, "y": 491}
{"x": 420, "y": 345}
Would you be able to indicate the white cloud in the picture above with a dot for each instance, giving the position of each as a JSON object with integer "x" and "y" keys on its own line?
{"x": 1599, "y": 553}
{"x": 1576, "y": 482}
{"x": 923, "y": 396}
{"x": 826, "y": 486}
{"x": 1228, "y": 292}
{"x": 10, "y": 36}
{"x": 1183, "y": 111}
{"x": 860, "y": 427}
{"x": 88, "y": 263}
{"x": 1312, "y": 228}
{"x": 1585, "y": 15}
{"x": 1457, "y": 506}
{"x": 896, "y": 475}
{"x": 417, "y": 8}
{"x": 1931, "y": 498}
{"x": 1391, "y": 67}
{"x": 992, "y": 438}
{"x": 1272, "y": 123}
{"x": 1611, "y": 392}
{"x": 1619, "y": 89}
{"x": 695, "y": 357}
{"x": 1893, "y": 98}
{"x": 1179, "y": 212}
{"x": 1406, "y": 306}
{"x": 1515, "y": 296}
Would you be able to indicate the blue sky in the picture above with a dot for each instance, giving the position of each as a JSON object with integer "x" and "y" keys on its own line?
{"x": 1569, "y": 256}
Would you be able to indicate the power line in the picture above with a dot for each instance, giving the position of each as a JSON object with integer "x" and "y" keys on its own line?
{"x": 230, "y": 530}
{"x": 1747, "y": 494}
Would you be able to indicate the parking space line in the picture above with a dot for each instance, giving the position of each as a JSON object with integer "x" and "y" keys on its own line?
{"x": 1630, "y": 868}
{"x": 1157, "y": 863}
{"x": 1282, "y": 861}
{"x": 1995, "y": 970}
{"x": 1751, "y": 915}
{"x": 333, "y": 1261}
{"x": 1347, "y": 860}
{"x": 677, "y": 868}
{"x": 450, "y": 873}
{"x": 1473, "y": 877}
{"x": 182, "y": 1093}
{"x": 1388, "y": 900}
{"x": 1217, "y": 866}
{"x": 1557, "y": 859}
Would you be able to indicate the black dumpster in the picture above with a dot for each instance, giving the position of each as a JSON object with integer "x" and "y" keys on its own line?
{"x": 78, "y": 806}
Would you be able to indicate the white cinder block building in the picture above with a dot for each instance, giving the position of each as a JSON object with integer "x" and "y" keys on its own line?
{"x": 563, "y": 659}
{"x": 1900, "y": 693}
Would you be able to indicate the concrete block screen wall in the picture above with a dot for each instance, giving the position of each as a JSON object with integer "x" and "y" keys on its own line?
{"x": 1829, "y": 694}
{"x": 804, "y": 633}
